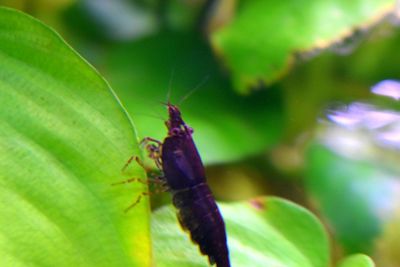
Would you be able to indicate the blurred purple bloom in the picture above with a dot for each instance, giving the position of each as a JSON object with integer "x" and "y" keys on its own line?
{"x": 390, "y": 88}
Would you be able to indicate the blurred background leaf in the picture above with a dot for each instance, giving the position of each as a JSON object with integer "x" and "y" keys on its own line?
{"x": 259, "y": 43}
{"x": 227, "y": 127}
{"x": 357, "y": 261}
{"x": 352, "y": 169}
{"x": 357, "y": 196}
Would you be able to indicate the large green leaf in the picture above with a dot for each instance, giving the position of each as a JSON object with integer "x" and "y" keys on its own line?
{"x": 227, "y": 126}
{"x": 64, "y": 138}
{"x": 265, "y": 232}
{"x": 260, "y": 42}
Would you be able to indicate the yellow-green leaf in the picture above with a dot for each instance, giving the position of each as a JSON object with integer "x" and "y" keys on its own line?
{"x": 64, "y": 138}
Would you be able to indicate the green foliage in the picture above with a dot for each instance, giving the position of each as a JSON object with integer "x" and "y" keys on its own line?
{"x": 359, "y": 194}
{"x": 357, "y": 261}
{"x": 224, "y": 122}
{"x": 260, "y": 41}
{"x": 263, "y": 232}
{"x": 346, "y": 191}
{"x": 64, "y": 138}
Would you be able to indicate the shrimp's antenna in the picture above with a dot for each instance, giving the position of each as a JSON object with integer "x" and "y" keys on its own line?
{"x": 198, "y": 86}
{"x": 148, "y": 101}
{"x": 171, "y": 78}
{"x": 149, "y": 115}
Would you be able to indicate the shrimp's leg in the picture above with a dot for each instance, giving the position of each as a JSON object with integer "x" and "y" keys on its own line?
{"x": 160, "y": 190}
{"x": 153, "y": 149}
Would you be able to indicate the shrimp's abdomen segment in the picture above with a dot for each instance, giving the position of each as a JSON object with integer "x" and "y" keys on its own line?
{"x": 199, "y": 214}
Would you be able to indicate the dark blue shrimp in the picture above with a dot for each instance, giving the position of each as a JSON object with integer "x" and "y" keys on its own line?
{"x": 184, "y": 175}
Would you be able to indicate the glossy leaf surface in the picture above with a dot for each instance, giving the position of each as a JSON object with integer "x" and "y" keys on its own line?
{"x": 265, "y": 232}
{"x": 64, "y": 138}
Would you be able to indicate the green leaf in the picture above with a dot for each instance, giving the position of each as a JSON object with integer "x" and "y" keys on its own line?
{"x": 64, "y": 138}
{"x": 260, "y": 42}
{"x": 358, "y": 260}
{"x": 226, "y": 126}
{"x": 357, "y": 196}
{"x": 263, "y": 232}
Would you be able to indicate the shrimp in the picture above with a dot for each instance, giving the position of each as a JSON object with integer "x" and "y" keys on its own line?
{"x": 184, "y": 176}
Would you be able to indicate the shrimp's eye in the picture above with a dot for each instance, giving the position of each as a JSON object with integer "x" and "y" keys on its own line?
{"x": 175, "y": 131}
